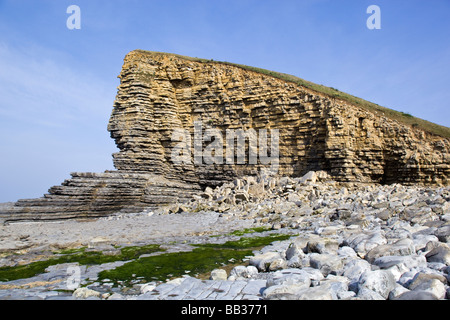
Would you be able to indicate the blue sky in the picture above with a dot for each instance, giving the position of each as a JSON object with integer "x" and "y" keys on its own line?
{"x": 57, "y": 86}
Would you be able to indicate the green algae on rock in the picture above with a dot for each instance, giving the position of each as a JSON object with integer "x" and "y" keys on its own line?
{"x": 81, "y": 256}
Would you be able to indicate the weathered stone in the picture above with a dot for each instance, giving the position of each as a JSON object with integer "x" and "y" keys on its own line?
{"x": 116, "y": 296}
{"x": 421, "y": 277}
{"x": 322, "y": 245}
{"x": 380, "y": 281}
{"x": 263, "y": 261}
{"x": 310, "y": 177}
{"x": 439, "y": 254}
{"x": 347, "y": 252}
{"x": 218, "y": 274}
{"x": 93, "y": 195}
{"x": 368, "y": 294}
{"x": 409, "y": 262}
{"x": 421, "y": 240}
{"x": 243, "y": 272}
{"x": 294, "y": 251}
{"x": 290, "y": 277}
{"x": 443, "y": 233}
{"x": 397, "y": 292}
{"x": 85, "y": 293}
{"x": 315, "y": 293}
{"x": 417, "y": 295}
{"x": 326, "y": 263}
{"x": 277, "y": 264}
{"x": 433, "y": 286}
{"x": 366, "y": 241}
{"x": 355, "y": 268}
{"x": 402, "y": 247}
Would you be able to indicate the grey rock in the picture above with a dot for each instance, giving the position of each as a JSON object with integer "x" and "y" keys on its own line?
{"x": 347, "y": 252}
{"x": 293, "y": 251}
{"x": 417, "y": 295}
{"x": 263, "y": 261}
{"x": 397, "y": 291}
{"x": 355, "y": 268}
{"x": 309, "y": 178}
{"x": 443, "y": 233}
{"x": 409, "y": 262}
{"x": 367, "y": 294}
{"x": 290, "y": 277}
{"x": 365, "y": 241}
{"x": 116, "y": 296}
{"x": 421, "y": 240}
{"x": 429, "y": 282}
{"x": 337, "y": 285}
{"x": 147, "y": 287}
{"x": 315, "y": 293}
{"x": 402, "y": 247}
{"x": 432, "y": 286}
{"x": 326, "y": 263}
{"x": 243, "y": 272}
{"x": 439, "y": 254}
{"x": 297, "y": 262}
{"x": 277, "y": 264}
{"x": 322, "y": 245}
{"x": 85, "y": 293}
{"x": 285, "y": 285}
{"x": 380, "y": 281}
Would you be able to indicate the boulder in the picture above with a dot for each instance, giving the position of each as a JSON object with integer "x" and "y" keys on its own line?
{"x": 326, "y": 263}
{"x": 439, "y": 254}
{"x": 263, "y": 261}
{"x": 218, "y": 274}
{"x": 243, "y": 272}
{"x": 417, "y": 295}
{"x": 403, "y": 247}
{"x": 365, "y": 241}
{"x": 380, "y": 281}
{"x": 85, "y": 293}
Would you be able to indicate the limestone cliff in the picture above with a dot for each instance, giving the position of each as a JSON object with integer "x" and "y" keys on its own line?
{"x": 161, "y": 93}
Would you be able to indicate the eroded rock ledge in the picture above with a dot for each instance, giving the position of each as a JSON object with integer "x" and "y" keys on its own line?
{"x": 162, "y": 92}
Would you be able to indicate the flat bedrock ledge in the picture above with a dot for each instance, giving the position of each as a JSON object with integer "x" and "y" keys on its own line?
{"x": 93, "y": 195}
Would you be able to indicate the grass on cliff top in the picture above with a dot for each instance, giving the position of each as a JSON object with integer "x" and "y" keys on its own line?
{"x": 401, "y": 117}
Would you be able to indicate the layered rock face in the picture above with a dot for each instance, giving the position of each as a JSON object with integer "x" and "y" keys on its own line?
{"x": 160, "y": 93}
{"x": 91, "y": 195}
{"x": 211, "y": 103}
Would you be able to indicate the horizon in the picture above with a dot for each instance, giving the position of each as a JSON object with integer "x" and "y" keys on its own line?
{"x": 58, "y": 85}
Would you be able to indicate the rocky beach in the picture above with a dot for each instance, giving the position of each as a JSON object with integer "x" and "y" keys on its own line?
{"x": 307, "y": 238}
{"x": 237, "y": 183}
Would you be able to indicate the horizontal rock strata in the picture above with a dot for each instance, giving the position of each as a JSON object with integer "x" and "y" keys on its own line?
{"x": 90, "y": 195}
{"x": 161, "y": 94}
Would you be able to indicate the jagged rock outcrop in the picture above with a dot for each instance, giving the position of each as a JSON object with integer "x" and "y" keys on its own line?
{"x": 161, "y": 94}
